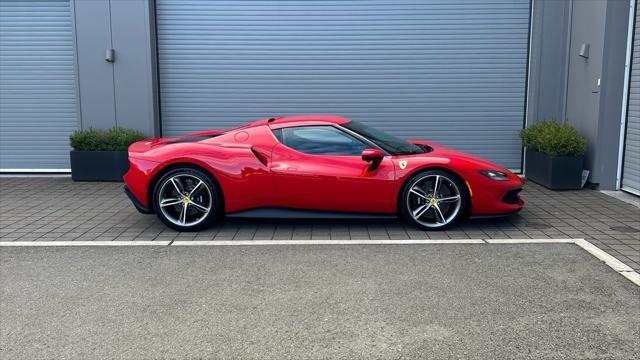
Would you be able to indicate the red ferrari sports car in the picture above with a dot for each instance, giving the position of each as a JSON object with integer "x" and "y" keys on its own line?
{"x": 313, "y": 166}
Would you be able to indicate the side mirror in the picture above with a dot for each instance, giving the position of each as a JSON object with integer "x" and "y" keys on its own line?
{"x": 374, "y": 156}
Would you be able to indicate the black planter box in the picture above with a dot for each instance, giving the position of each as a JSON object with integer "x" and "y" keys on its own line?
{"x": 99, "y": 165}
{"x": 554, "y": 172}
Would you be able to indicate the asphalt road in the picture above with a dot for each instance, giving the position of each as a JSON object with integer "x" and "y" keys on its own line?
{"x": 520, "y": 301}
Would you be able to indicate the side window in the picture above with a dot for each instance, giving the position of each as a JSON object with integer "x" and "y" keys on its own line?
{"x": 319, "y": 140}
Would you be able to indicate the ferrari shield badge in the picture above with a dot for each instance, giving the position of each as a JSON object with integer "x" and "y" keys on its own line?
{"x": 403, "y": 164}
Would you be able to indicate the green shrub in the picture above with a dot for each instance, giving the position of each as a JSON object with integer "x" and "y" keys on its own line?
{"x": 116, "y": 138}
{"x": 554, "y": 138}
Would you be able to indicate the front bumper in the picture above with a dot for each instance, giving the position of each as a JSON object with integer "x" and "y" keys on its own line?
{"x": 492, "y": 198}
{"x": 495, "y": 216}
{"x": 141, "y": 208}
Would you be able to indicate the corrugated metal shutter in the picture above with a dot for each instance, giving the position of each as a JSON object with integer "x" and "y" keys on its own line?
{"x": 450, "y": 71}
{"x": 37, "y": 84}
{"x": 631, "y": 166}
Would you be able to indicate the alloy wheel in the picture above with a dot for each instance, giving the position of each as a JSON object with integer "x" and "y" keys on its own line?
{"x": 185, "y": 200}
{"x": 434, "y": 200}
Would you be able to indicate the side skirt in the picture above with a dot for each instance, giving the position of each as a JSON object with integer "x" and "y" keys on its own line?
{"x": 288, "y": 213}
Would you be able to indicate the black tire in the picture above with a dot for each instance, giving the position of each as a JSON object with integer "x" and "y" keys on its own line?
{"x": 410, "y": 202}
{"x": 187, "y": 178}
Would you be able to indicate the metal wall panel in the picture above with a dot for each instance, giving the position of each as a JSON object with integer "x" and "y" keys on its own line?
{"x": 37, "y": 84}
{"x": 453, "y": 72}
{"x": 631, "y": 166}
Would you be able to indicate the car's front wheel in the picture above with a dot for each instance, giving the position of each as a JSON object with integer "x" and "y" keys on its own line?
{"x": 186, "y": 199}
{"x": 434, "y": 200}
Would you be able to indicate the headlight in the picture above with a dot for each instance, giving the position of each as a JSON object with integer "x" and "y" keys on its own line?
{"x": 495, "y": 175}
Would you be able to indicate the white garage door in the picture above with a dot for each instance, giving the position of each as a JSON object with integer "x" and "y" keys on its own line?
{"x": 453, "y": 72}
{"x": 37, "y": 85}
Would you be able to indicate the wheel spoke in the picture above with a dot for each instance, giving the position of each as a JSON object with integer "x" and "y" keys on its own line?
{"x": 436, "y": 185}
{"x": 195, "y": 188}
{"x": 170, "y": 202}
{"x": 175, "y": 182}
{"x": 439, "y": 214}
{"x": 449, "y": 199}
{"x": 421, "y": 210}
{"x": 419, "y": 193}
{"x": 199, "y": 207}
{"x": 183, "y": 214}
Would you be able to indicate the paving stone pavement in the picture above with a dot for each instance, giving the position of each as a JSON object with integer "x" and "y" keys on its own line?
{"x": 56, "y": 208}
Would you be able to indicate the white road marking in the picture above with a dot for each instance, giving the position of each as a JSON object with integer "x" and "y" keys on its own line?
{"x": 633, "y": 276}
{"x": 83, "y": 243}
{"x": 602, "y": 255}
{"x": 614, "y": 263}
{"x": 322, "y": 242}
{"x": 531, "y": 241}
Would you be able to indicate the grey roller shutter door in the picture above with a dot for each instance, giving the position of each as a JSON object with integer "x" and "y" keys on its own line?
{"x": 453, "y": 72}
{"x": 631, "y": 165}
{"x": 37, "y": 85}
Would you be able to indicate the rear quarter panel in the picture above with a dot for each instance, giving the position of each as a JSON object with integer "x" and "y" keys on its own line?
{"x": 243, "y": 178}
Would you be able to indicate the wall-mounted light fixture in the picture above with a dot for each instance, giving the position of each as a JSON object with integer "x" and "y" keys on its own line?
{"x": 584, "y": 50}
{"x": 109, "y": 55}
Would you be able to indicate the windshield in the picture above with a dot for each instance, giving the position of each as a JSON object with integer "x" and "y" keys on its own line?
{"x": 390, "y": 143}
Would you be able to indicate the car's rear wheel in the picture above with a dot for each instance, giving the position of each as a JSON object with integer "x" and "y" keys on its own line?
{"x": 186, "y": 199}
{"x": 434, "y": 200}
